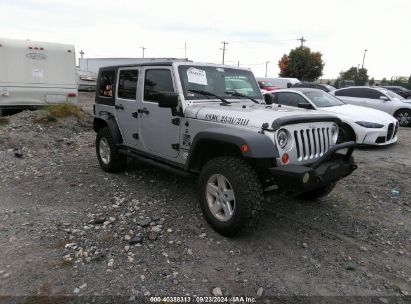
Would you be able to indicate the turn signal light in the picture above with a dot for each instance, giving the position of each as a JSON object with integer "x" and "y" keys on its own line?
{"x": 71, "y": 95}
{"x": 285, "y": 158}
{"x": 244, "y": 148}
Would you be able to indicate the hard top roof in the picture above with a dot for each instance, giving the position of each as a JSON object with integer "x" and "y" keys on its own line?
{"x": 170, "y": 63}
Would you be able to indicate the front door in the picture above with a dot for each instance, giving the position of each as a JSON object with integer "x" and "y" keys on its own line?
{"x": 157, "y": 132}
{"x": 126, "y": 105}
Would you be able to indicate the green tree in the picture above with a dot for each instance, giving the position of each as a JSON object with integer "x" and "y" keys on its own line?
{"x": 301, "y": 63}
{"x": 360, "y": 76}
{"x": 371, "y": 82}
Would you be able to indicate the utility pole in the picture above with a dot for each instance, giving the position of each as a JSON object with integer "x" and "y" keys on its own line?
{"x": 81, "y": 53}
{"x": 363, "y": 58}
{"x": 266, "y": 63}
{"x": 302, "y": 40}
{"x": 185, "y": 50}
{"x": 143, "y": 48}
{"x": 224, "y": 49}
{"x": 238, "y": 63}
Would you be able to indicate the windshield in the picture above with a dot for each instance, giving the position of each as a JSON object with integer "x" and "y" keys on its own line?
{"x": 217, "y": 81}
{"x": 267, "y": 83}
{"x": 322, "y": 99}
{"x": 392, "y": 95}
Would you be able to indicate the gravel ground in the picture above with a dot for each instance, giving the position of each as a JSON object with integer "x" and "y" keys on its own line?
{"x": 68, "y": 228}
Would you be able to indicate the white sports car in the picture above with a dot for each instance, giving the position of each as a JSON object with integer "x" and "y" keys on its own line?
{"x": 364, "y": 125}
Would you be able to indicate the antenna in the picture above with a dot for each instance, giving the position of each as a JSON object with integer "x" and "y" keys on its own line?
{"x": 302, "y": 41}
{"x": 224, "y": 49}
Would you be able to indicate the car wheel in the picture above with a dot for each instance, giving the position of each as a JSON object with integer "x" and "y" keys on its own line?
{"x": 403, "y": 117}
{"x": 107, "y": 153}
{"x": 345, "y": 134}
{"x": 230, "y": 195}
{"x": 318, "y": 193}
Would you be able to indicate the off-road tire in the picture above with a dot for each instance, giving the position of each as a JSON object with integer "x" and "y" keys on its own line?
{"x": 403, "y": 112}
{"x": 318, "y": 193}
{"x": 247, "y": 189}
{"x": 117, "y": 162}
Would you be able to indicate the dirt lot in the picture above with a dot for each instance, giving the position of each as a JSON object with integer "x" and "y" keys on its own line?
{"x": 65, "y": 227}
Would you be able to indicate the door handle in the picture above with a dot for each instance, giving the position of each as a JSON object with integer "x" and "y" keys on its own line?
{"x": 119, "y": 107}
{"x": 143, "y": 111}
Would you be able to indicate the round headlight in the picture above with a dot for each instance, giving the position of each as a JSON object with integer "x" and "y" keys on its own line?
{"x": 282, "y": 138}
{"x": 334, "y": 133}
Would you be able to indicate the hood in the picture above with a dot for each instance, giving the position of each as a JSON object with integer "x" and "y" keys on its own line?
{"x": 246, "y": 114}
{"x": 358, "y": 113}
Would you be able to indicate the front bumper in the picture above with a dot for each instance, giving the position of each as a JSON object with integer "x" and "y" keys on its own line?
{"x": 331, "y": 167}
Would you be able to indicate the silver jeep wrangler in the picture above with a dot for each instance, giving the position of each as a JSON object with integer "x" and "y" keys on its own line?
{"x": 211, "y": 120}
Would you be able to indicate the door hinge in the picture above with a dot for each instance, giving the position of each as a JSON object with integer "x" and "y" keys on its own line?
{"x": 175, "y": 121}
{"x": 134, "y": 114}
{"x": 135, "y": 135}
{"x": 176, "y": 147}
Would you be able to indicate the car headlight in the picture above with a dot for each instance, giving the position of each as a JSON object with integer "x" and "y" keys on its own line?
{"x": 371, "y": 125}
{"x": 282, "y": 138}
{"x": 334, "y": 133}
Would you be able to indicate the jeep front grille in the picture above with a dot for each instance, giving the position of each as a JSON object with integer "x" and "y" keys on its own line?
{"x": 312, "y": 143}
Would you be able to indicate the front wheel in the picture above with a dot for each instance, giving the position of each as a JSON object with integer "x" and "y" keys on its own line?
{"x": 403, "y": 117}
{"x": 107, "y": 153}
{"x": 230, "y": 195}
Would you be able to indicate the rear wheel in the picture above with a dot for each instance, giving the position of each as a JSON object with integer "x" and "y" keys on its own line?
{"x": 230, "y": 195}
{"x": 404, "y": 117}
{"x": 107, "y": 153}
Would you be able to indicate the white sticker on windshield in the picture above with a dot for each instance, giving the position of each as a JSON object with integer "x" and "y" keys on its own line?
{"x": 197, "y": 76}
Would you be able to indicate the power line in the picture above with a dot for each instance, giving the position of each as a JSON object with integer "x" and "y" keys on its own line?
{"x": 143, "y": 48}
{"x": 224, "y": 49}
{"x": 302, "y": 40}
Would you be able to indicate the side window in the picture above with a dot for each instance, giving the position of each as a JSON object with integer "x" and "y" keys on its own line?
{"x": 127, "y": 84}
{"x": 155, "y": 82}
{"x": 106, "y": 84}
{"x": 349, "y": 93}
{"x": 290, "y": 99}
{"x": 373, "y": 94}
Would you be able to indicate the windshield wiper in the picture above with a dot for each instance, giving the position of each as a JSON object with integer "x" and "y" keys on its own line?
{"x": 236, "y": 94}
{"x": 205, "y": 93}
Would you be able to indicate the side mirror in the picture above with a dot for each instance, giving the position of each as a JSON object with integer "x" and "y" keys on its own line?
{"x": 384, "y": 98}
{"x": 268, "y": 98}
{"x": 304, "y": 105}
{"x": 167, "y": 99}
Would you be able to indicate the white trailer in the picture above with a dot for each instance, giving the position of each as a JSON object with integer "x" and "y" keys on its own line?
{"x": 34, "y": 73}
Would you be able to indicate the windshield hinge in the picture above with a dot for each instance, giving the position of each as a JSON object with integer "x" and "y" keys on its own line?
{"x": 175, "y": 121}
{"x": 176, "y": 147}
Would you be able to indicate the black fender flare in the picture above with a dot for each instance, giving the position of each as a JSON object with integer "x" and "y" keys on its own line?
{"x": 259, "y": 144}
{"x": 112, "y": 125}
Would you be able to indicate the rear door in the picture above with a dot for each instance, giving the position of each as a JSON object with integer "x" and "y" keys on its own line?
{"x": 159, "y": 135}
{"x": 351, "y": 96}
{"x": 126, "y": 105}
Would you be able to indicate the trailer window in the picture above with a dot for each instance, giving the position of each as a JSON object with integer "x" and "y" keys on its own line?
{"x": 106, "y": 84}
{"x": 127, "y": 84}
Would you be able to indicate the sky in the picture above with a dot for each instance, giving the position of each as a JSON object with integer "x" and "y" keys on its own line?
{"x": 256, "y": 31}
